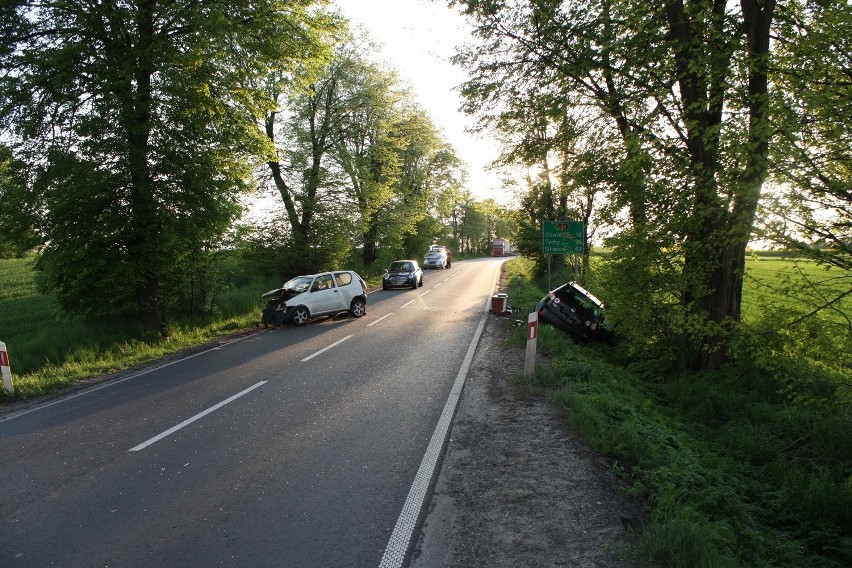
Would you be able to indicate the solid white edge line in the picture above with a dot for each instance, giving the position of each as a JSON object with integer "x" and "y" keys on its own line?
{"x": 324, "y": 349}
{"x": 397, "y": 546}
{"x": 400, "y": 539}
{"x": 381, "y": 318}
{"x": 188, "y": 421}
{"x": 119, "y": 381}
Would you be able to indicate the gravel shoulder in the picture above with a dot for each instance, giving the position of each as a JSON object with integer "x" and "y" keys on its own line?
{"x": 517, "y": 487}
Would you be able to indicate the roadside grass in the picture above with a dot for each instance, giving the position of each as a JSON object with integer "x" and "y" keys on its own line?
{"x": 49, "y": 351}
{"x": 735, "y": 469}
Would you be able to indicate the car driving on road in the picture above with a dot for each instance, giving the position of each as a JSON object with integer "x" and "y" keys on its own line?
{"x": 403, "y": 273}
{"x": 438, "y": 257}
{"x": 305, "y": 297}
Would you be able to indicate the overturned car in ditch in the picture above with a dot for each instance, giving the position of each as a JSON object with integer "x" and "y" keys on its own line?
{"x": 576, "y": 311}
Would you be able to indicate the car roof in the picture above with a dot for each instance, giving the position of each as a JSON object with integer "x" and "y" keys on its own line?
{"x": 323, "y": 273}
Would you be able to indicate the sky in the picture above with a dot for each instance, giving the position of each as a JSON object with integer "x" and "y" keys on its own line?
{"x": 418, "y": 38}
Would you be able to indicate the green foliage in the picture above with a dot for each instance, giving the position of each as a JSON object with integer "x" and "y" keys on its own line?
{"x": 807, "y": 211}
{"x": 679, "y": 176}
{"x": 137, "y": 127}
{"x": 734, "y": 470}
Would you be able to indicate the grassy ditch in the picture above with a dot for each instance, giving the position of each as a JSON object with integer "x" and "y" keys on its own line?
{"x": 735, "y": 468}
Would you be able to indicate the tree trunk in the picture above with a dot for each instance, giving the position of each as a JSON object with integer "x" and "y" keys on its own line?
{"x": 143, "y": 250}
{"x": 370, "y": 253}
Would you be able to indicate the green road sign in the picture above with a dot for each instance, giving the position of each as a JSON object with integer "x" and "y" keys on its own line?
{"x": 563, "y": 237}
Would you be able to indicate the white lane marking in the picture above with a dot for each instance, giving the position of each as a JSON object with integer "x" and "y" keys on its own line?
{"x": 119, "y": 381}
{"x": 426, "y": 292}
{"x": 324, "y": 349}
{"x": 381, "y": 318}
{"x": 400, "y": 539}
{"x": 188, "y": 421}
{"x": 438, "y": 284}
{"x": 408, "y": 303}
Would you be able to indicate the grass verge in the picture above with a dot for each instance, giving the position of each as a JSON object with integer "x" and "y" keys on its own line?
{"x": 733, "y": 470}
{"x": 50, "y": 351}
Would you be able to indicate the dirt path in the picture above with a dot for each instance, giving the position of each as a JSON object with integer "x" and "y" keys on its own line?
{"x": 517, "y": 488}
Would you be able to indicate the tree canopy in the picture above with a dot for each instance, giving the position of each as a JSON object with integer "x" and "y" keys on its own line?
{"x": 671, "y": 118}
{"x": 137, "y": 121}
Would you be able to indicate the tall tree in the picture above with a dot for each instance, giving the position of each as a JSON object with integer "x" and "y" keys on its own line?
{"x": 137, "y": 119}
{"x": 306, "y": 128}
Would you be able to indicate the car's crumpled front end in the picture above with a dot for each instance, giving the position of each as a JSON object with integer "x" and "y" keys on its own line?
{"x": 276, "y": 311}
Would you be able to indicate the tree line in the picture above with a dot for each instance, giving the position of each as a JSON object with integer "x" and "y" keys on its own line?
{"x": 680, "y": 131}
{"x": 133, "y": 132}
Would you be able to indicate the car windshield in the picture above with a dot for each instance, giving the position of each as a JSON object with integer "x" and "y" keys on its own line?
{"x": 400, "y": 267}
{"x": 299, "y": 283}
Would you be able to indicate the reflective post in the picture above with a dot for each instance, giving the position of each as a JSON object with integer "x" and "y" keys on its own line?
{"x": 532, "y": 334}
{"x": 5, "y": 370}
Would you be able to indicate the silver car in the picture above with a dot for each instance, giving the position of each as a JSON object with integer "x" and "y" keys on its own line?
{"x": 436, "y": 258}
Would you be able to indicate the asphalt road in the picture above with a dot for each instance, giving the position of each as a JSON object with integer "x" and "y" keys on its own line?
{"x": 296, "y": 447}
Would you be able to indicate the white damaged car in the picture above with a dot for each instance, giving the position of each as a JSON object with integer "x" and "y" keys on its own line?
{"x": 325, "y": 294}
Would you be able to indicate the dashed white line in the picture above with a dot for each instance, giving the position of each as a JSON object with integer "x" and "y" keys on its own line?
{"x": 324, "y": 349}
{"x": 381, "y": 318}
{"x": 174, "y": 429}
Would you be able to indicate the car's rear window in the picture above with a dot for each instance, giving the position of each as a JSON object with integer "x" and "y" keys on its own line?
{"x": 343, "y": 278}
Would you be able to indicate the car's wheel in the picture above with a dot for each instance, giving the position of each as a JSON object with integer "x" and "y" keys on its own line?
{"x": 421, "y": 281}
{"x": 449, "y": 263}
{"x": 414, "y": 284}
{"x": 300, "y": 315}
{"x": 358, "y": 308}
{"x": 384, "y": 286}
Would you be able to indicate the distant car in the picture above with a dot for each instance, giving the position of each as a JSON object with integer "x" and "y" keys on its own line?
{"x": 438, "y": 257}
{"x": 403, "y": 273}
{"x": 576, "y": 311}
{"x": 305, "y": 297}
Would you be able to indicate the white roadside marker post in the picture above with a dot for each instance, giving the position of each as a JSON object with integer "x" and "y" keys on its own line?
{"x": 5, "y": 370}
{"x": 532, "y": 334}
